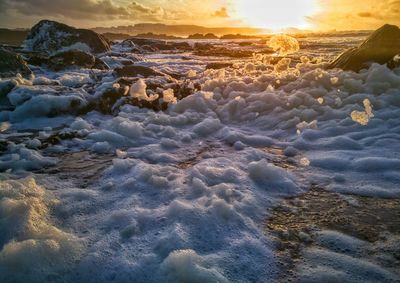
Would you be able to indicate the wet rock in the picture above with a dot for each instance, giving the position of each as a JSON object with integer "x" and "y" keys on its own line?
{"x": 50, "y": 36}
{"x": 245, "y": 43}
{"x": 203, "y": 46}
{"x": 126, "y": 62}
{"x": 12, "y": 64}
{"x": 380, "y": 47}
{"x": 5, "y": 87}
{"x": 139, "y": 41}
{"x": 207, "y": 49}
{"x": 57, "y": 138}
{"x": 105, "y": 102}
{"x": 148, "y": 49}
{"x": 218, "y": 65}
{"x": 145, "y": 45}
{"x": 136, "y": 70}
{"x": 183, "y": 46}
{"x": 100, "y": 64}
{"x": 3, "y": 146}
{"x": 72, "y": 58}
{"x": 66, "y": 59}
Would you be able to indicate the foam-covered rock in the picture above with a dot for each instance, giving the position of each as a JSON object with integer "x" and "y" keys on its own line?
{"x": 12, "y": 64}
{"x": 50, "y": 36}
{"x": 380, "y": 47}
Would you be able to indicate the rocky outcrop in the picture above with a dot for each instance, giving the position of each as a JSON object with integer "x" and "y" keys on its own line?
{"x": 51, "y": 37}
{"x": 12, "y": 64}
{"x": 380, "y": 47}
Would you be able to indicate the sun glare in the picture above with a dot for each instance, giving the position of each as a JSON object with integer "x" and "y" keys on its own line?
{"x": 276, "y": 14}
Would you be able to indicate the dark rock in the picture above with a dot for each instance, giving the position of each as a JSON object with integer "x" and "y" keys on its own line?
{"x": 105, "y": 102}
{"x": 207, "y": 49}
{"x": 50, "y": 36}
{"x": 72, "y": 58}
{"x": 6, "y": 86}
{"x": 12, "y": 64}
{"x": 134, "y": 71}
{"x": 126, "y": 62}
{"x": 3, "y": 146}
{"x": 203, "y": 36}
{"x": 203, "y": 46}
{"x": 66, "y": 59}
{"x": 57, "y": 138}
{"x": 145, "y": 45}
{"x": 148, "y": 49}
{"x": 140, "y": 41}
{"x": 380, "y": 47}
{"x": 36, "y": 58}
{"x": 245, "y": 43}
{"x": 100, "y": 64}
{"x": 183, "y": 45}
{"x": 176, "y": 76}
{"x": 218, "y": 65}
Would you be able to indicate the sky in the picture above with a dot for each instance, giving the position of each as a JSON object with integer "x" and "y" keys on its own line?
{"x": 268, "y": 14}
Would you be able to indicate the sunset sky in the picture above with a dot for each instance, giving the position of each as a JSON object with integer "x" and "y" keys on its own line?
{"x": 271, "y": 14}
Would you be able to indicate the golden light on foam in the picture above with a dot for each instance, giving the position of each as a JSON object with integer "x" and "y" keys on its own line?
{"x": 276, "y": 14}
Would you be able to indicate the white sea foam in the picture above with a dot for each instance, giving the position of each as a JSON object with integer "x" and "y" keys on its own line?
{"x": 186, "y": 196}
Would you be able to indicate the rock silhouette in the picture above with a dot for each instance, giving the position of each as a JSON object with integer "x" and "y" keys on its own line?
{"x": 380, "y": 47}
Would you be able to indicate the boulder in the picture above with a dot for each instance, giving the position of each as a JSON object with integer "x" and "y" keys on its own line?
{"x": 12, "y": 64}
{"x": 135, "y": 70}
{"x": 380, "y": 47}
{"x": 51, "y": 37}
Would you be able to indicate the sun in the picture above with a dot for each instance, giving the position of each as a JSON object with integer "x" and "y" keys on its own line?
{"x": 276, "y": 14}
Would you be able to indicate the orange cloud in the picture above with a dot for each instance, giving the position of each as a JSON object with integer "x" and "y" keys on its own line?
{"x": 221, "y": 13}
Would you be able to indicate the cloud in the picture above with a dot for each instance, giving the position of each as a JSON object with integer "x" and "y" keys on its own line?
{"x": 221, "y": 13}
{"x": 137, "y": 11}
{"x": 81, "y": 9}
{"x": 365, "y": 15}
{"x": 357, "y": 14}
{"x": 334, "y": 14}
{"x": 89, "y": 13}
{"x": 75, "y": 9}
